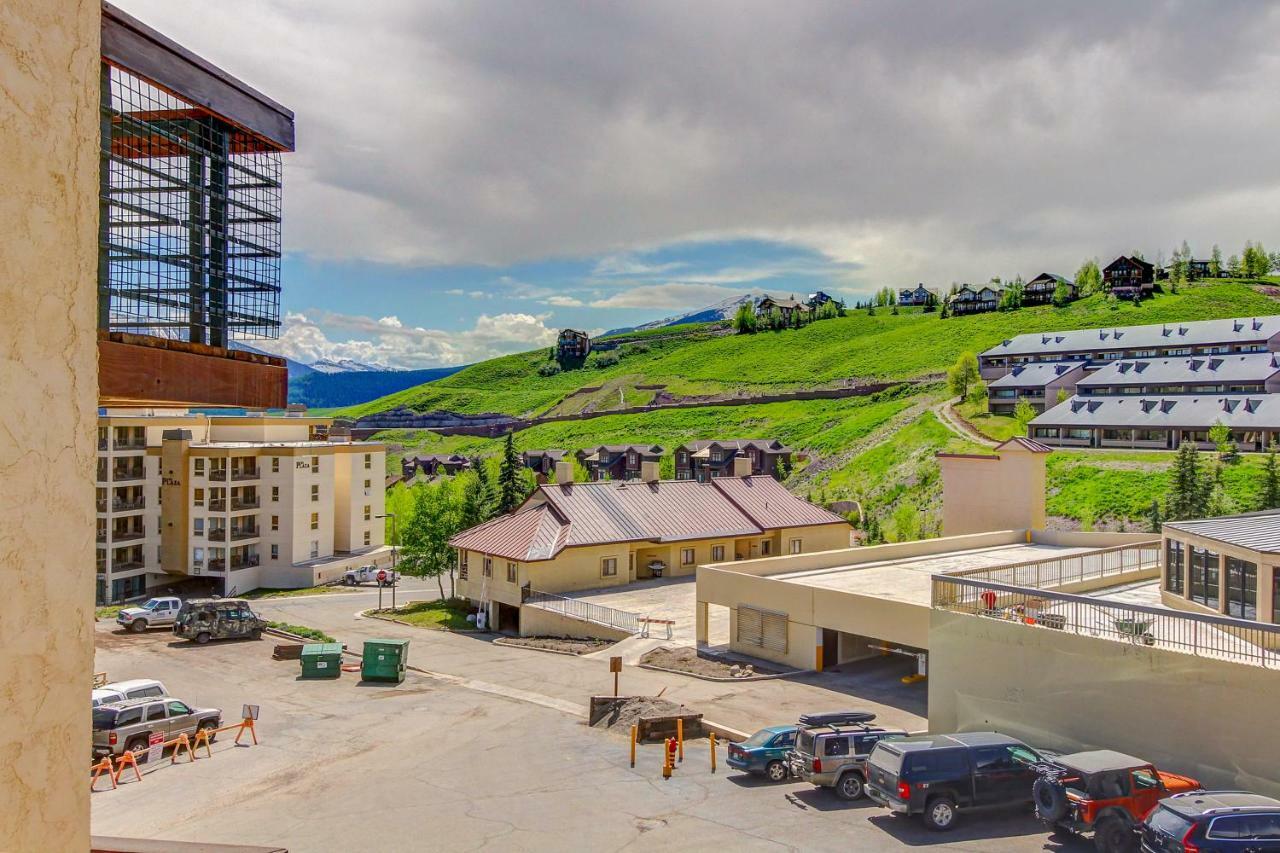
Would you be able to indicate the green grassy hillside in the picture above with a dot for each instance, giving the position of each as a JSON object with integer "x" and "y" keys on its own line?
{"x": 878, "y": 450}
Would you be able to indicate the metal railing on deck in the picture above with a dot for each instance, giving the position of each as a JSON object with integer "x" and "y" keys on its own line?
{"x": 1072, "y": 568}
{"x": 585, "y": 610}
{"x": 1203, "y": 635}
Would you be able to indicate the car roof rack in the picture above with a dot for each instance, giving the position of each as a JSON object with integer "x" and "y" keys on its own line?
{"x": 837, "y": 718}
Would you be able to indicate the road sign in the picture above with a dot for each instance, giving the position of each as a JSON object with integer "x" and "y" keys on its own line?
{"x": 382, "y": 575}
{"x": 155, "y": 747}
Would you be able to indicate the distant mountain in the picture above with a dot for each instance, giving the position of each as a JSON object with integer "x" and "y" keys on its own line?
{"x": 349, "y": 365}
{"x": 722, "y": 310}
{"x": 296, "y": 368}
{"x": 319, "y": 389}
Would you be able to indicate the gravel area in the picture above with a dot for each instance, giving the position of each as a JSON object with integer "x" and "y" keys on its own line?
{"x": 686, "y": 659}
{"x": 630, "y": 712}
{"x": 573, "y": 645}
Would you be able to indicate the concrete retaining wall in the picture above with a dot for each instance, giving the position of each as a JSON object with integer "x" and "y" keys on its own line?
{"x": 538, "y": 622}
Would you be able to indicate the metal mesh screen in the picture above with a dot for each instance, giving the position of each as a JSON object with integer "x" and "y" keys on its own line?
{"x": 190, "y": 219}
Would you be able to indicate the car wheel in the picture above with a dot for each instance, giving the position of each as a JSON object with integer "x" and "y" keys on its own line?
{"x": 1114, "y": 835}
{"x": 138, "y": 746}
{"x": 849, "y": 787}
{"x": 256, "y": 634}
{"x": 202, "y": 637}
{"x": 776, "y": 771}
{"x": 209, "y": 726}
{"x": 940, "y": 814}
{"x": 138, "y": 626}
{"x": 1050, "y": 798}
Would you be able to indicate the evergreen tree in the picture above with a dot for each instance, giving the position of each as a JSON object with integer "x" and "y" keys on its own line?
{"x": 1189, "y": 487}
{"x": 1270, "y": 480}
{"x": 488, "y": 500}
{"x": 473, "y": 503}
{"x": 1220, "y": 435}
{"x": 1215, "y": 262}
{"x": 510, "y": 490}
{"x": 1155, "y": 521}
{"x": 775, "y": 320}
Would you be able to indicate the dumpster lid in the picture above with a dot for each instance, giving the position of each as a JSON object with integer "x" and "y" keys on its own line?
{"x": 314, "y": 649}
{"x": 376, "y": 643}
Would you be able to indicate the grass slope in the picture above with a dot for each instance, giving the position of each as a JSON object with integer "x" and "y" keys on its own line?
{"x": 883, "y": 346}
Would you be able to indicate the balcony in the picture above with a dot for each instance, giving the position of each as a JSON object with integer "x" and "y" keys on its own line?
{"x": 240, "y": 534}
{"x": 126, "y": 566}
{"x": 245, "y": 562}
{"x": 217, "y": 534}
{"x": 127, "y": 535}
{"x": 238, "y": 504}
{"x": 217, "y": 565}
{"x": 128, "y": 505}
{"x": 124, "y": 475}
{"x": 129, "y": 444}
{"x": 246, "y": 474}
{"x": 217, "y": 506}
{"x": 102, "y": 536}
{"x": 218, "y": 474}
{"x": 102, "y": 444}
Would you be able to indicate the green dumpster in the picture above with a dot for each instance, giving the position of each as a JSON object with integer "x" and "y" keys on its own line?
{"x": 384, "y": 660}
{"x": 322, "y": 660}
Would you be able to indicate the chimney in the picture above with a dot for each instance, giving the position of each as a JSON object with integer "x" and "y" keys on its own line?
{"x": 741, "y": 465}
{"x": 564, "y": 471}
{"x": 649, "y": 471}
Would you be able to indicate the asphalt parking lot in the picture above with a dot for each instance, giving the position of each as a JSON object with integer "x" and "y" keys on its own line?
{"x": 437, "y": 764}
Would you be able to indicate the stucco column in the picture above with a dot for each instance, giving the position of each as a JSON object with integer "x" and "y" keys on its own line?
{"x": 701, "y": 631}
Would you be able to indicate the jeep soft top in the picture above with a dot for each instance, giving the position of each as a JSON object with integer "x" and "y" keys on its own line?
{"x": 1099, "y": 761}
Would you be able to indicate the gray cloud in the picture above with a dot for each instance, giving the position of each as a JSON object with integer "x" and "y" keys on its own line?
{"x": 924, "y": 140}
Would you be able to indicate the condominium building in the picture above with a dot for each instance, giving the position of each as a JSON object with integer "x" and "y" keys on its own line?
{"x": 239, "y": 501}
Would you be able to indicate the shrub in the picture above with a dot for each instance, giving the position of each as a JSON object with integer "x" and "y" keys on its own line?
{"x": 603, "y": 360}
{"x": 551, "y": 368}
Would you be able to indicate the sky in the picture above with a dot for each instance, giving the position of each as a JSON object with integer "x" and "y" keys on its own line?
{"x": 471, "y": 177}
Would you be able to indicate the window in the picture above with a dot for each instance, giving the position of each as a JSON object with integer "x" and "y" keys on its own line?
{"x": 1175, "y": 567}
{"x": 199, "y": 497}
{"x": 199, "y": 526}
{"x": 835, "y": 746}
{"x": 609, "y": 567}
{"x": 315, "y": 521}
{"x": 1204, "y": 577}
{"x": 315, "y": 493}
{"x": 1145, "y": 780}
{"x": 155, "y": 712}
{"x": 686, "y": 556}
{"x": 315, "y": 548}
{"x": 275, "y": 493}
{"x": 367, "y": 538}
{"x": 368, "y": 512}
{"x": 488, "y": 567}
{"x": 1246, "y": 827}
{"x": 315, "y": 464}
{"x": 717, "y": 553}
{"x": 275, "y": 464}
{"x": 275, "y": 522}
{"x": 764, "y": 547}
{"x": 178, "y": 709}
{"x": 368, "y": 464}
{"x": 992, "y": 758}
{"x": 199, "y": 466}
{"x": 367, "y": 485}
{"x": 1242, "y": 589}
{"x": 197, "y": 555}
{"x": 275, "y": 552}
{"x": 512, "y": 572}
{"x": 795, "y": 546}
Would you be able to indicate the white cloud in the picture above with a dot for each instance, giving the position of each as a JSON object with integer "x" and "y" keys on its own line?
{"x": 666, "y": 296}
{"x": 320, "y": 335}
{"x": 564, "y": 301}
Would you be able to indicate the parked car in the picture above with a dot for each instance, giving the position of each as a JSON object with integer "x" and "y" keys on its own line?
{"x": 1213, "y": 822}
{"x": 1103, "y": 793}
{"x": 938, "y": 775}
{"x": 369, "y": 574}
{"x": 835, "y": 756}
{"x": 156, "y": 613}
{"x": 128, "y": 725}
{"x": 118, "y": 691}
{"x": 764, "y": 753}
{"x": 205, "y": 619}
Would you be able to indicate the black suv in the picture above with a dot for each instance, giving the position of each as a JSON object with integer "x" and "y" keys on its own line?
{"x": 937, "y": 775}
{"x": 1213, "y": 822}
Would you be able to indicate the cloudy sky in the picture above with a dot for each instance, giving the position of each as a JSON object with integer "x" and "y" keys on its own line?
{"x": 471, "y": 176}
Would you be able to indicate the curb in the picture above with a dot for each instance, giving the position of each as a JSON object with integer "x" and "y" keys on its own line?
{"x": 510, "y": 645}
{"x": 725, "y": 679}
{"x": 723, "y": 731}
{"x": 373, "y": 614}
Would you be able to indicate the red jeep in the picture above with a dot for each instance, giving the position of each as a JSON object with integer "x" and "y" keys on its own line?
{"x": 1103, "y": 792}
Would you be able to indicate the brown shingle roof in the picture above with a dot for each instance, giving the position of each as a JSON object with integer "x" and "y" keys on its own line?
{"x": 560, "y": 516}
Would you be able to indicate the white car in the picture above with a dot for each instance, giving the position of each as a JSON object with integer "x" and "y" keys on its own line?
{"x": 137, "y": 688}
{"x": 156, "y": 613}
{"x": 369, "y": 574}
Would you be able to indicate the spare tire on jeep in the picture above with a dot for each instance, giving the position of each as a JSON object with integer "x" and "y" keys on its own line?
{"x": 1051, "y": 800}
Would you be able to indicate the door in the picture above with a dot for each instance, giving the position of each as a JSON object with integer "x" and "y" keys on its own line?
{"x": 181, "y": 719}
{"x": 830, "y": 648}
{"x": 155, "y": 719}
{"x": 997, "y": 778}
{"x": 1146, "y": 789}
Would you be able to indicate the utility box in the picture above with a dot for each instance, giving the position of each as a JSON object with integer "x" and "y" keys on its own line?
{"x": 321, "y": 660}
{"x": 384, "y": 660}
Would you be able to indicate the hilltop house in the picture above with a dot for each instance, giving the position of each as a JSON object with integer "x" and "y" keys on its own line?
{"x": 1129, "y": 277}
{"x": 818, "y": 299}
{"x": 542, "y": 461}
{"x": 787, "y": 307}
{"x": 702, "y": 460}
{"x": 1040, "y": 290}
{"x": 1196, "y": 269}
{"x": 918, "y": 295}
{"x": 575, "y": 536}
{"x": 572, "y": 344}
{"x": 971, "y": 300}
{"x": 618, "y": 461}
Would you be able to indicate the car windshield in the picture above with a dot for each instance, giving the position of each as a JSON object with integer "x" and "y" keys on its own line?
{"x": 1169, "y": 822}
{"x": 151, "y": 604}
{"x": 103, "y": 719}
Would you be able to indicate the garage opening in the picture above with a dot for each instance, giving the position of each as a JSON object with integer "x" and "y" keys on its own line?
{"x": 508, "y": 618}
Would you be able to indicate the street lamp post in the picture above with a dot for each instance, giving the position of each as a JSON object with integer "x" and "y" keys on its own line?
{"x": 394, "y": 543}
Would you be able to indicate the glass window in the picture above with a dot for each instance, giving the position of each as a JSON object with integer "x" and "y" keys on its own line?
{"x": 315, "y": 521}
{"x": 275, "y": 464}
{"x": 368, "y": 512}
{"x": 315, "y": 464}
{"x": 177, "y": 709}
{"x": 488, "y": 567}
{"x": 1175, "y": 567}
{"x": 1145, "y": 780}
{"x": 1242, "y": 589}
{"x": 199, "y": 466}
{"x": 1204, "y": 577}
{"x": 199, "y": 526}
{"x": 315, "y": 493}
{"x": 367, "y": 538}
{"x": 786, "y": 739}
{"x": 609, "y": 567}
{"x": 717, "y": 553}
{"x": 512, "y": 572}
{"x": 155, "y": 712}
{"x": 275, "y": 552}
{"x": 764, "y": 547}
{"x": 991, "y": 758}
{"x": 275, "y": 522}
{"x": 368, "y": 464}
{"x": 796, "y": 546}
{"x": 129, "y": 717}
{"x": 835, "y": 746}
{"x": 686, "y": 556}
{"x": 275, "y": 493}
{"x": 199, "y": 499}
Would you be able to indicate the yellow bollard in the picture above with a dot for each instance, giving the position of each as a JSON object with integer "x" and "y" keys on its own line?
{"x": 666, "y": 759}
{"x": 713, "y": 752}
{"x": 680, "y": 738}
{"x": 634, "y": 731}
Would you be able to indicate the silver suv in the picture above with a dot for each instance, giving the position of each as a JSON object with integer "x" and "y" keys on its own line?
{"x": 835, "y": 756}
{"x": 128, "y": 725}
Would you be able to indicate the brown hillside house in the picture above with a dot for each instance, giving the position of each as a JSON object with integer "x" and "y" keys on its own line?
{"x": 576, "y": 536}
{"x": 1040, "y": 290}
{"x": 1129, "y": 278}
{"x": 434, "y": 464}
{"x": 542, "y": 461}
{"x": 702, "y": 460}
{"x": 573, "y": 344}
{"x": 618, "y": 461}
{"x": 974, "y": 300}
{"x": 788, "y": 307}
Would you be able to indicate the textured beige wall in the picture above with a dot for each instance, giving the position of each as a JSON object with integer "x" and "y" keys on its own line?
{"x": 537, "y": 622}
{"x": 49, "y": 60}
{"x": 1210, "y": 719}
{"x": 1002, "y": 492}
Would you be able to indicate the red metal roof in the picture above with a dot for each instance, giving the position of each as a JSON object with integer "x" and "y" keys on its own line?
{"x": 560, "y": 516}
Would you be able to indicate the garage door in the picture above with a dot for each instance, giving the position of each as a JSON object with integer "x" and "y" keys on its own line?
{"x": 764, "y": 628}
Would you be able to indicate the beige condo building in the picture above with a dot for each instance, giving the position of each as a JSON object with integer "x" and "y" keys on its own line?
{"x": 238, "y": 501}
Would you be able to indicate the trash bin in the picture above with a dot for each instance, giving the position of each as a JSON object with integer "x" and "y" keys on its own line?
{"x": 384, "y": 660}
{"x": 321, "y": 660}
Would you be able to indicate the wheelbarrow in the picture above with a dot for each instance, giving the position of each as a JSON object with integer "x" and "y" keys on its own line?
{"x": 1137, "y": 630}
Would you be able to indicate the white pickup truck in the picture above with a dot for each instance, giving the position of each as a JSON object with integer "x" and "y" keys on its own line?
{"x": 369, "y": 574}
{"x": 155, "y": 613}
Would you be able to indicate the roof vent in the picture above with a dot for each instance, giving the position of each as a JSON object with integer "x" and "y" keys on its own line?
{"x": 1229, "y": 405}
{"x": 1251, "y": 405}
{"x": 1195, "y": 364}
{"x": 1166, "y": 406}
{"x": 1006, "y": 342}
{"x": 1257, "y": 324}
{"x": 1215, "y": 363}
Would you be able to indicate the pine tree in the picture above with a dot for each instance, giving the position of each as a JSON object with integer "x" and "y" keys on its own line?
{"x": 1270, "y": 480}
{"x": 510, "y": 493}
{"x": 1155, "y": 521}
{"x": 1189, "y": 487}
{"x": 473, "y": 506}
{"x": 488, "y": 500}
